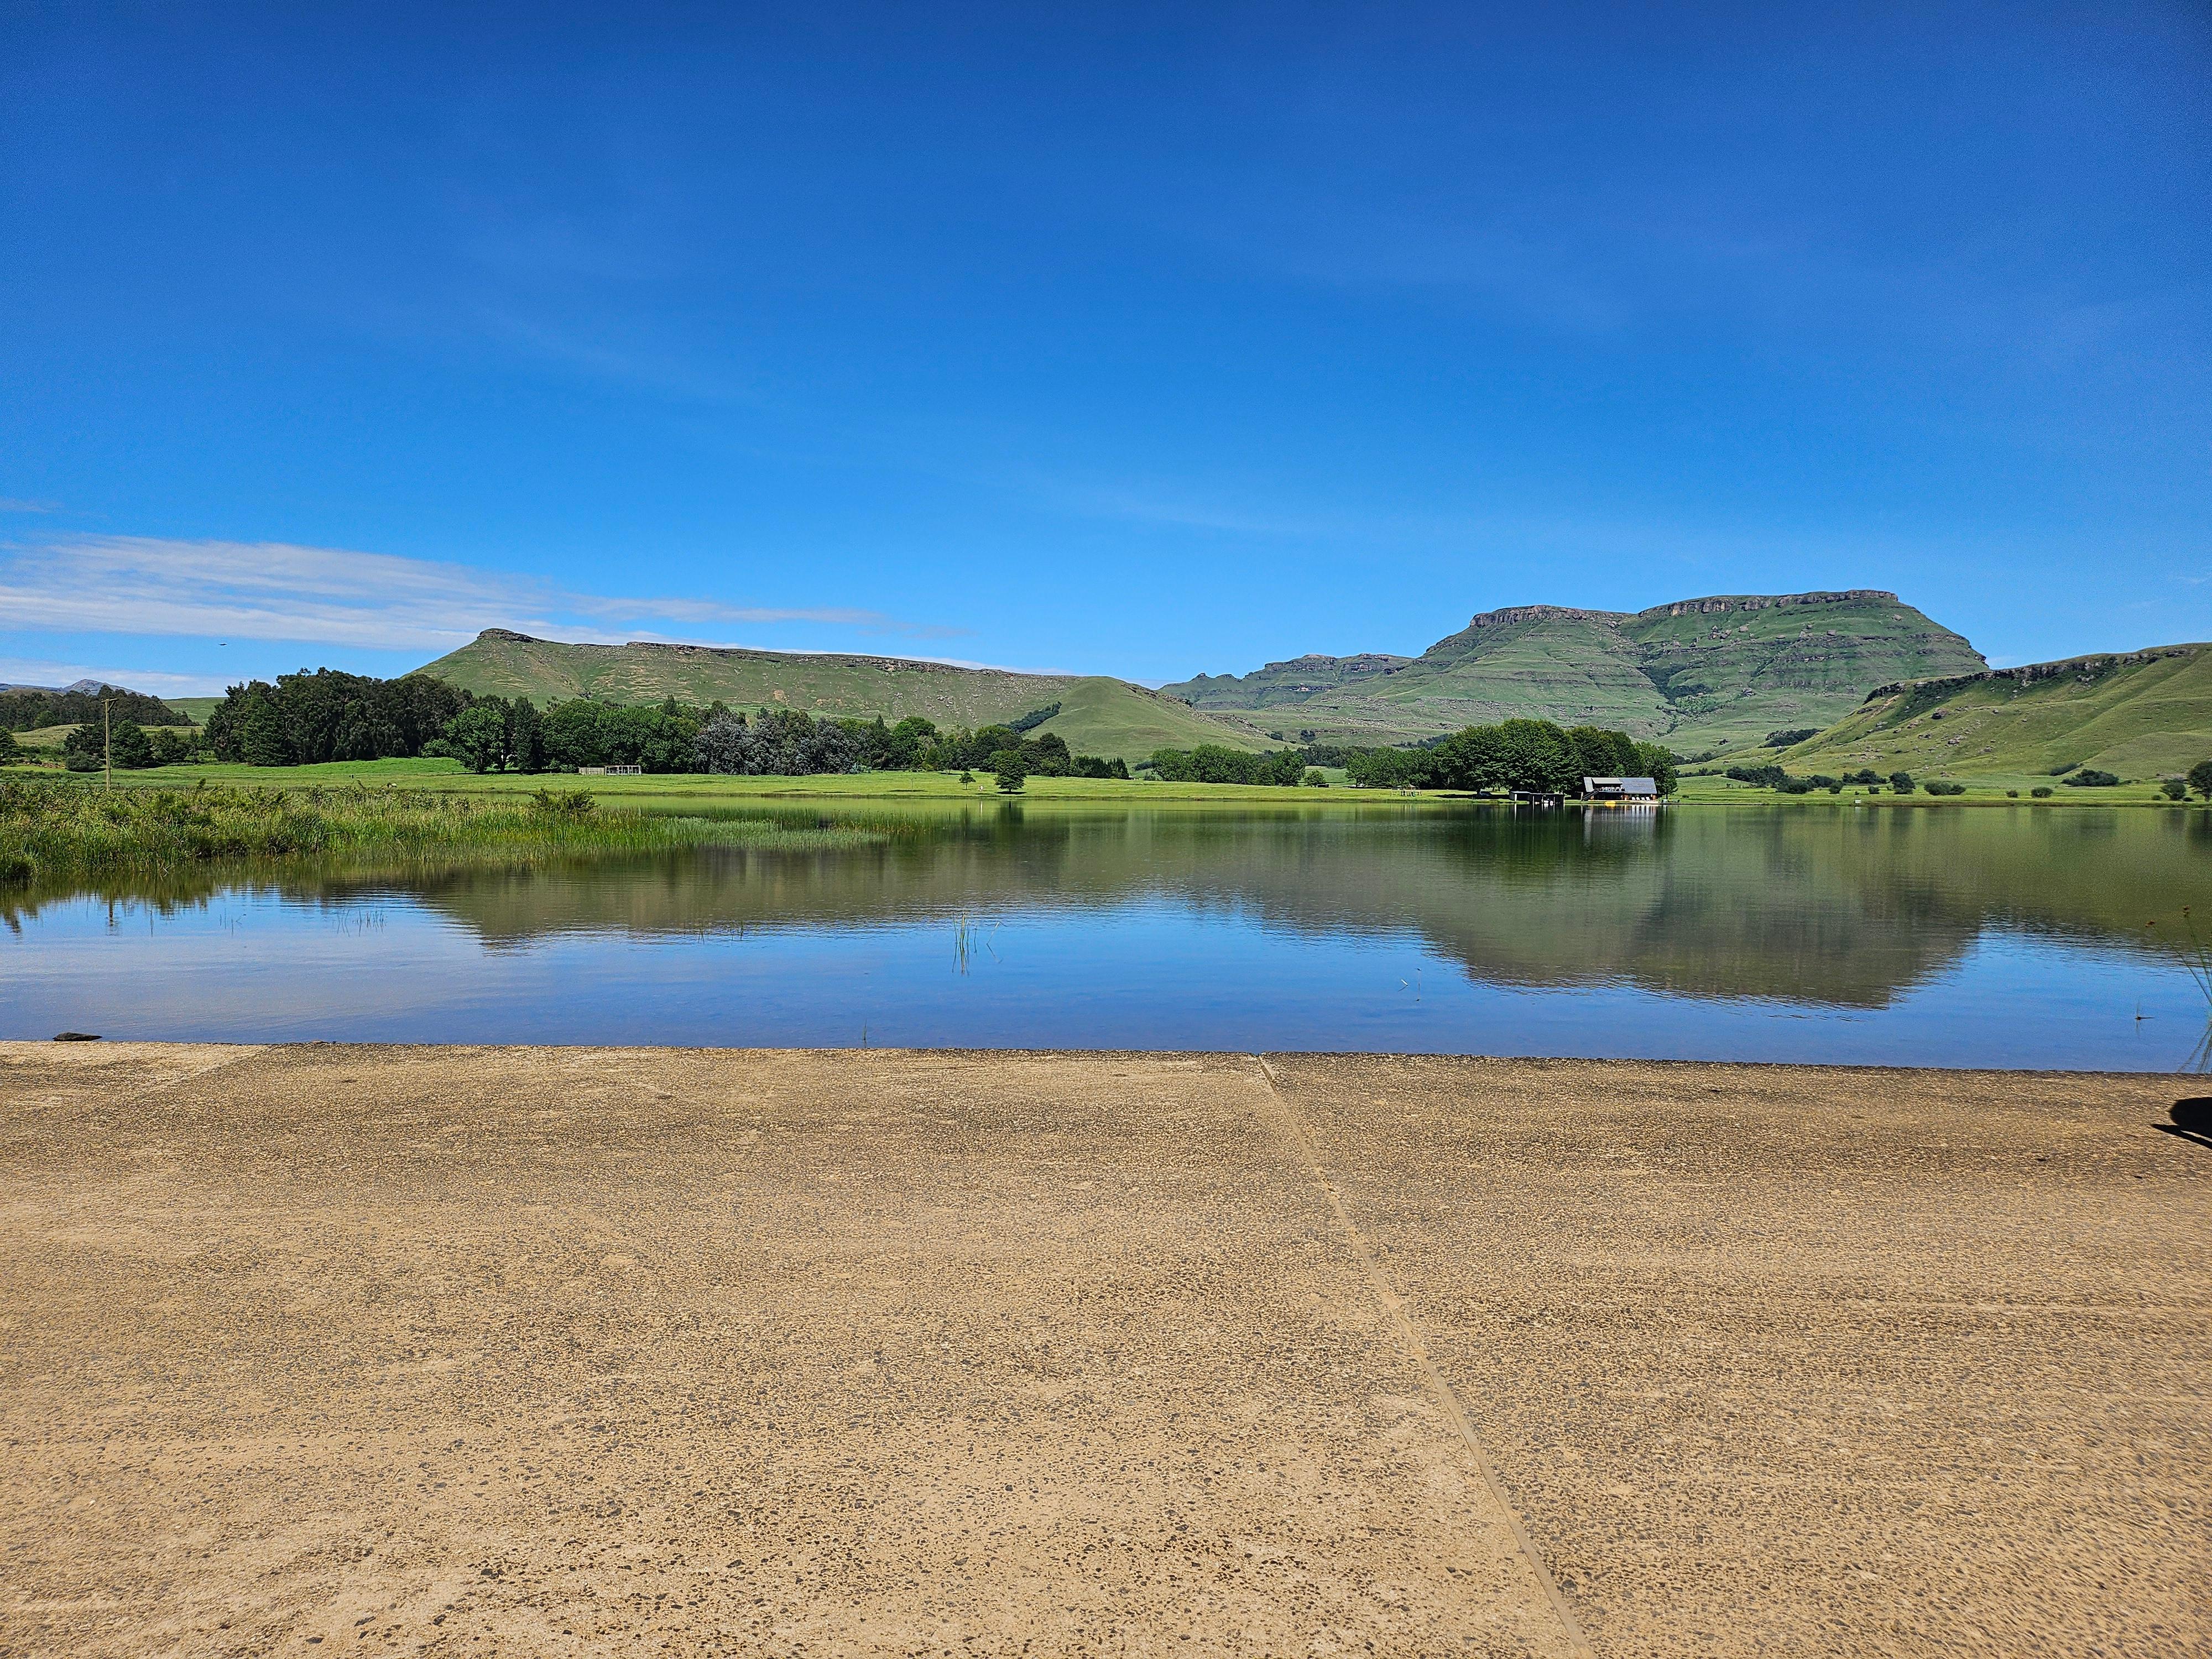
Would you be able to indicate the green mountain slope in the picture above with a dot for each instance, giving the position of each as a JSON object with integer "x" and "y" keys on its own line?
{"x": 1097, "y": 716}
{"x": 1700, "y": 673}
{"x": 2141, "y": 714}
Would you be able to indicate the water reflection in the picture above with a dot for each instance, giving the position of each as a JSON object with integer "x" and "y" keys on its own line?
{"x": 1841, "y": 907}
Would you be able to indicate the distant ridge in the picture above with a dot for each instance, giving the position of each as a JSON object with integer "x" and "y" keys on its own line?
{"x": 79, "y": 686}
{"x": 1701, "y": 673}
{"x": 2138, "y": 715}
{"x": 1097, "y": 716}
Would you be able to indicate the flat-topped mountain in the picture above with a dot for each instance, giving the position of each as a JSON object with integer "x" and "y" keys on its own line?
{"x": 1097, "y": 715}
{"x": 1699, "y": 673}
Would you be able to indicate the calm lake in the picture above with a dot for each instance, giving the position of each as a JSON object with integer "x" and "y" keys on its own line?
{"x": 1992, "y": 937}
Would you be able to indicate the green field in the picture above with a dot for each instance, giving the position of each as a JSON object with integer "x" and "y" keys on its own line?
{"x": 2141, "y": 715}
{"x": 704, "y": 792}
{"x": 1097, "y": 716}
{"x": 1699, "y": 674}
{"x": 697, "y": 788}
{"x": 1987, "y": 790}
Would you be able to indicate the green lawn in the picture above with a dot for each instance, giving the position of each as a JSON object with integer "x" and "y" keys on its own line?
{"x": 692, "y": 790}
{"x": 1986, "y": 789}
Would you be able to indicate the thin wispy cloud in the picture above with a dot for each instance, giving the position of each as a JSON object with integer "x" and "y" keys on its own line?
{"x": 329, "y": 596}
{"x": 31, "y": 670}
{"x": 12, "y": 504}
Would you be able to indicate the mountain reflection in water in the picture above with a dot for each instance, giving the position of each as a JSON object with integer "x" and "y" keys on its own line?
{"x": 1814, "y": 908}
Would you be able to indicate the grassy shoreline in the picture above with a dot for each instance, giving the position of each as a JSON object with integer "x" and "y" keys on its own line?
{"x": 53, "y": 828}
{"x": 655, "y": 793}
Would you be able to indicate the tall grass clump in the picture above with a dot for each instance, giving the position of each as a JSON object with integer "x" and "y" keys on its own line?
{"x": 53, "y": 827}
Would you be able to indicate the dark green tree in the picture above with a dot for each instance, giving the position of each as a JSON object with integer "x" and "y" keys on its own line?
{"x": 1012, "y": 771}
{"x": 2200, "y": 778}
{"x": 129, "y": 745}
{"x": 526, "y": 737}
{"x": 82, "y": 750}
{"x": 174, "y": 745}
{"x": 477, "y": 735}
{"x": 261, "y": 733}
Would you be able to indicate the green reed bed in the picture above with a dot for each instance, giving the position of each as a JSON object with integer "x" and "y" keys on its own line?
{"x": 54, "y": 827}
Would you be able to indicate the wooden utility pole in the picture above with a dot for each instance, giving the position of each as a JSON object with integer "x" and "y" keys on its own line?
{"x": 106, "y": 740}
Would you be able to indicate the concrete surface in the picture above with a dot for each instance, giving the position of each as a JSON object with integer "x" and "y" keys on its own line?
{"x": 323, "y": 1349}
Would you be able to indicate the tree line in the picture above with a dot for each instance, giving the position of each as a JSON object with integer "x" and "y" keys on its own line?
{"x": 25, "y": 708}
{"x": 1519, "y": 754}
{"x": 329, "y": 715}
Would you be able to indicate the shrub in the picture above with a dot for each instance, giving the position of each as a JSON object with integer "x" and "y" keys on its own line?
{"x": 2041, "y": 792}
{"x": 81, "y": 750}
{"x": 2174, "y": 789}
{"x": 131, "y": 747}
{"x": 1763, "y": 777}
{"x": 1313, "y": 779}
{"x": 2012, "y": 794}
{"x": 1900, "y": 783}
{"x": 2090, "y": 778}
{"x": 1944, "y": 786}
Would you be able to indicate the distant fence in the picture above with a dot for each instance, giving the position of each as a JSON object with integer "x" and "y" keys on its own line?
{"x": 609, "y": 771}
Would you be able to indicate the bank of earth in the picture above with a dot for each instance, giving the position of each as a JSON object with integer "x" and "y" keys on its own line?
{"x": 564, "y": 1350}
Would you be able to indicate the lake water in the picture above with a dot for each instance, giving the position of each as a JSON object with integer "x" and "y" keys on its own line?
{"x": 1948, "y": 937}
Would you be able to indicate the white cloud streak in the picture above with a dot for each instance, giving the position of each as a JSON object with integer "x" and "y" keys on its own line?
{"x": 25, "y": 670}
{"x": 327, "y": 595}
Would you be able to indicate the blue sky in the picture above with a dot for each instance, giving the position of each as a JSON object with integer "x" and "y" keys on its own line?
{"x": 1149, "y": 343}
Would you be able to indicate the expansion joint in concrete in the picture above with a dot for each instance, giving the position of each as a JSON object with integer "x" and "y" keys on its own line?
{"x": 1408, "y": 1337}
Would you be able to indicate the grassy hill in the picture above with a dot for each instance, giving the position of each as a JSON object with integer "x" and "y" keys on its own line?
{"x": 1701, "y": 674}
{"x": 2141, "y": 714}
{"x": 1097, "y": 716}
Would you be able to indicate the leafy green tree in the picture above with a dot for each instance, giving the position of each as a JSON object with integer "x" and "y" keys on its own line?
{"x": 1655, "y": 761}
{"x": 526, "y": 737}
{"x": 1389, "y": 768}
{"x": 477, "y": 735}
{"x": 2174, "y": 789}
{"x": 1600, "y": 753}
{"x": 1013, "y": 772}
{"x": 1900, "y": 783}
{"x": 330, "y": 715}
{"x": 261, "y": 731}
{"x": 128, "y": 743}
{"x": 82, "y": 750}
{"x": 904, "y": 747}
{"x": 1313, "y": 779}
{"x": 174, "y": 745}
{"x": 2200, "y": 778}
{"x": 10, "y": 750}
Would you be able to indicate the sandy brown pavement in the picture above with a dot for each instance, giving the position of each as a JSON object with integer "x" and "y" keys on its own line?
{"x": 400, "y": 1350}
